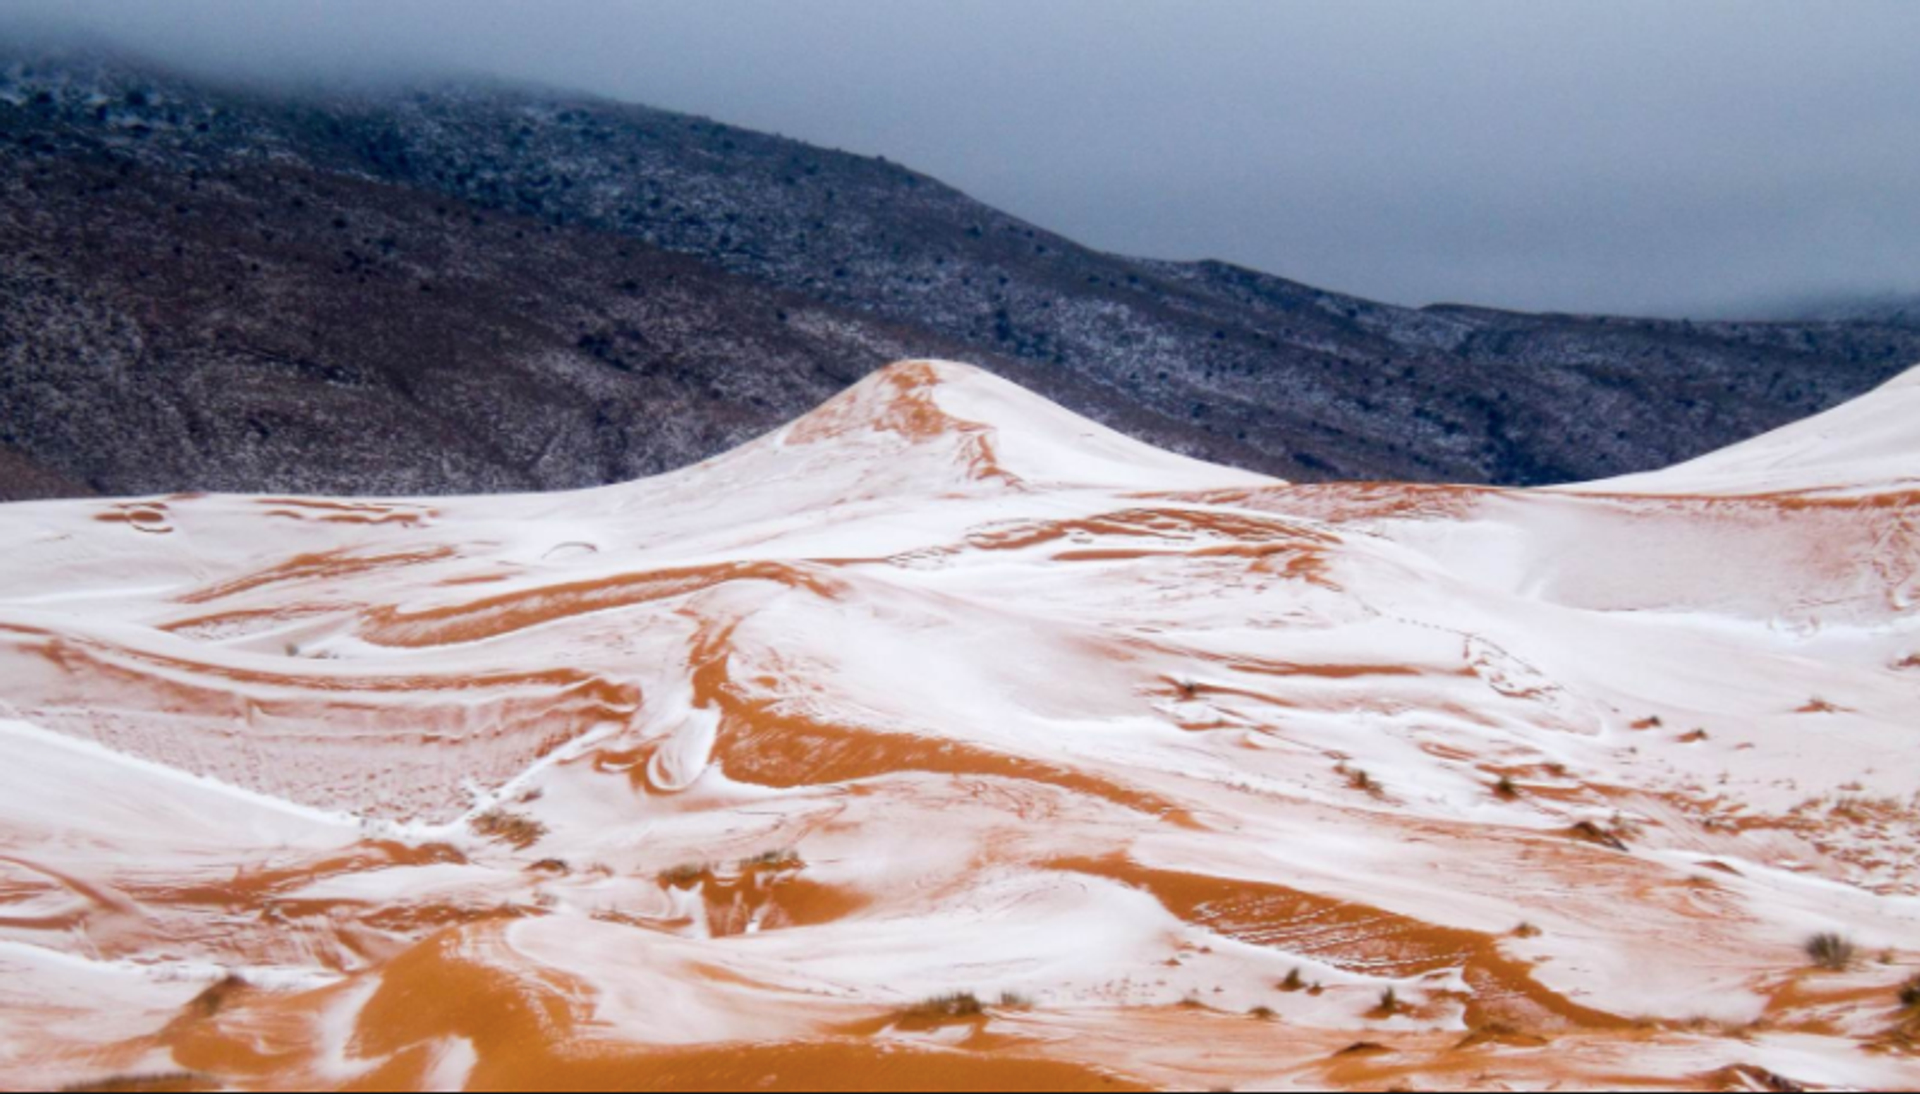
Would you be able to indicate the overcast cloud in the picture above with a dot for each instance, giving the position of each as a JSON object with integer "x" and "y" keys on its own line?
{"x": 1651, "y": 156}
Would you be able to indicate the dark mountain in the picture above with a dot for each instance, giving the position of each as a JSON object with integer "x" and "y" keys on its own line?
{"x": 478, "y": 289}
{"x": 1886, "y": 309}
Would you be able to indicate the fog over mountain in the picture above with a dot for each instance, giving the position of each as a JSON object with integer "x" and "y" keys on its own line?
{"x": 1707, "y": 159}
{"x": 465, "y": 287}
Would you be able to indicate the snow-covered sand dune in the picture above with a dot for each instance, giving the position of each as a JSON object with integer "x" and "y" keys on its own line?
{"x": 944, "y": 739}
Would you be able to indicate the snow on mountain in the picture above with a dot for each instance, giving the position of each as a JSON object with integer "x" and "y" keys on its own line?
{"x": 945, "y": 739}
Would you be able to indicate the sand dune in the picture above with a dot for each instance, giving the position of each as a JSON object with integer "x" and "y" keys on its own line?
{"x": 946, "y": 740}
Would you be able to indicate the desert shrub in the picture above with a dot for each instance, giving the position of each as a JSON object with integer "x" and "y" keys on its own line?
{"x": 774, "y": 860}
{"x": 1526, "y": 930}
{"x": 1293, "y": 982}
{"x": 1263, "y": 1014}
{"x": 1390, "y": 1002}
{"x": 515, "y": 829}
{"x": 1831, "y": 951}
{"x": 1910, "y": 994}
{"x": 1593, "y": 833}
{"x": 685, "y": 875}
{"x": 140, "y": 1084}
{"x": 215, "y": 999}
{"x": 943, "y": 1008}
{"x": 1505, "y": 788}
{"x": 1013, "y": 1000}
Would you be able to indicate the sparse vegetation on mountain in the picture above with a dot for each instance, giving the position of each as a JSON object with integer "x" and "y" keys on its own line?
{"x": 505, "y": 289}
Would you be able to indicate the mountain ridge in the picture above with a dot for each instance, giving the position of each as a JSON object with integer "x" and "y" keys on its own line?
{"x": 1203, "y": 358}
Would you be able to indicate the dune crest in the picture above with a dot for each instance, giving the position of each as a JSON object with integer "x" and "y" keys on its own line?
{"x": 945, "y": 739}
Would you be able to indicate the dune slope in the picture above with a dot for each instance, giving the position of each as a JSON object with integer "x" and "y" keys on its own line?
{"x": 943, "y": 739}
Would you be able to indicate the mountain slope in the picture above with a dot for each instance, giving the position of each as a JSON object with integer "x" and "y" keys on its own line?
{"x": 502, "y": 249}
{"x": 943, "y": 739}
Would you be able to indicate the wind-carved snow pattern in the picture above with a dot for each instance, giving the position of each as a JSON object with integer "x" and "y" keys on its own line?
{"x": 946, "y": 739}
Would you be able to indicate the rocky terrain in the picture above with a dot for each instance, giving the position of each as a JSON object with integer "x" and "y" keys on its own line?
{"x": 465, "y": 288}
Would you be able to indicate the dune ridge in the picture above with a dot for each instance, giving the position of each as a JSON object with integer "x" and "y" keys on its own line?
{"x": 944, "y": 739}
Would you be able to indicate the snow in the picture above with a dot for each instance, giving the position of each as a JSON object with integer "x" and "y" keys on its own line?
{"x": 1867, "y": 445}
{"x": 943, "y": 690}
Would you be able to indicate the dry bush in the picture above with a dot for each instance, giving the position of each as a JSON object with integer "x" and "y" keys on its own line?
{"x": 685, "y": 875}
{"x": 163, "y": 1083}
{"x": 515, "y": 829}
{"x": 960, "y": 1006}
{"x": 779, "y": 861}
{"x": 211, "y": 1002}
{"x": 1593, "y": 833}
{"x": 1830, "y": 951}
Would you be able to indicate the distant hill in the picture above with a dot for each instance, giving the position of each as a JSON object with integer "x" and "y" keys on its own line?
{"x": 1894, "y": 309}
{"x": 470, "y": 289}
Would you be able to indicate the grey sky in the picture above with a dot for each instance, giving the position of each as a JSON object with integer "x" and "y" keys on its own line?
{"x": 1651, "y": 156}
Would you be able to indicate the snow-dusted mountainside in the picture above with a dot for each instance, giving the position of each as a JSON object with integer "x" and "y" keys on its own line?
{"x": 473, "y": 288}
{"x": 945, "y": 739}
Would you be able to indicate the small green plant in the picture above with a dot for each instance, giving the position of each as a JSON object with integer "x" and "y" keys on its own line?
{"x": 1830, "y": 951}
